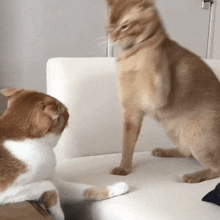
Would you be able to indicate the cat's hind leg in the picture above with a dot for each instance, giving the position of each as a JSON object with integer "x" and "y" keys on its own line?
{"x": 200, "y": 176}
{"x": 209, "y": 157}
{"x": 52, "y": 203}
{"x": 172, "y": 152}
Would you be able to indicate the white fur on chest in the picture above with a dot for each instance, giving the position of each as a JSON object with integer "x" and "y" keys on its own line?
{"x": 38, "y": 156}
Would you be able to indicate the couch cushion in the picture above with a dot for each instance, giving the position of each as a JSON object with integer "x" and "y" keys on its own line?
{"x": 88, "y": 87}
{"x": 156, "y": 192}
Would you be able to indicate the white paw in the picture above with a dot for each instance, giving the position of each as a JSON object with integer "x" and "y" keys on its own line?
{"x": 59, "y": 216}
{"x": 118, "y": 189}
{"x": 57, "y": 213}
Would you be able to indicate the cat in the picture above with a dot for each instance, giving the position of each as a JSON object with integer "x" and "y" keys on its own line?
{"x": 29, "y": 130}
{"x": 159, "y": 78}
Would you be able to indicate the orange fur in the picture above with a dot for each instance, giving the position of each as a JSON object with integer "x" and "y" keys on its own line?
{"x": 50, "y": 198}
{"x": 29, "y": 130}
{"x": 10, "y": 168}
{"x": 96, "y": 193}
{"x": 31, "y": 114}
{"x": 159, "y": 78}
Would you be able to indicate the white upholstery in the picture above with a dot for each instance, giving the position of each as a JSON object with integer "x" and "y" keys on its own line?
{"x": 88, "y": 87}
{"x": 156, "y": 191}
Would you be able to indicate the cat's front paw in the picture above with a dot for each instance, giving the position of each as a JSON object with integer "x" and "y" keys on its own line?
{"x": 96, "y": 193}
{"x": 121, "y": 171}
{"x": 158, "y": 152}
{"x": 57, "y": 213}
{"x": 59, "y": 217}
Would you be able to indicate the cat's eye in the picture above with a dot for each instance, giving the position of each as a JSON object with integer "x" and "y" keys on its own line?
{"x": 125, "y": 27}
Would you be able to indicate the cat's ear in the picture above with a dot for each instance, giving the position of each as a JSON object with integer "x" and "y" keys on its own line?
{"x": 111, "y": 2}
{"x": 144, "y": 4}
{"x": 10, "y": 92}
{"x": 40, "y": 124}
{"x": 43, "y": 119}
{"x": 52, "y": 110}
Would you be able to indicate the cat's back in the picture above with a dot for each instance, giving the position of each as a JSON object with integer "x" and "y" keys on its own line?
{"x": 10, "y": 168}
{"x": 25, "y": 161}
{"x": 192, "y": 79}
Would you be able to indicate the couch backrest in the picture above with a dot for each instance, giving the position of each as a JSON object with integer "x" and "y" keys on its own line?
{"x": 87, "y": 86}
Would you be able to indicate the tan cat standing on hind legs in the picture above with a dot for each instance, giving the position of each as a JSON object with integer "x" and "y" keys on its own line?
{"x": 159, "y": 78}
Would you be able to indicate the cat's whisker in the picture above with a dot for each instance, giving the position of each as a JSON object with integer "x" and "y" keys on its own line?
{"x": 104, "y": 42}
{"x": 101, "y": 37}
{"x": 101, "y": 44}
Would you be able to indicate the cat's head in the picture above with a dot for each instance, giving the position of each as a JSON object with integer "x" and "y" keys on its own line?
{"x": 128, "y": 21}
{"x": 35, "y": 114}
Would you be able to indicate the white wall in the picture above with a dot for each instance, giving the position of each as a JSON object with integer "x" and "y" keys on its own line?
{"x": 32, "y": 31}
{"x": 216, "y": 39}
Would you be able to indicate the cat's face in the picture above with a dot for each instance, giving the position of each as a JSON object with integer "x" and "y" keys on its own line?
{"x": 36, "y": 113}
{"x": 127, "y": 21}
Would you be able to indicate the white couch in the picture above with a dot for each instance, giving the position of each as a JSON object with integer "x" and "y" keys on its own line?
{"x": 90, "y": 147}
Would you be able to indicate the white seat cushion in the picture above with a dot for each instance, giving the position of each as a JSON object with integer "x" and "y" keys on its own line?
{"x": 156, "y": 191}
{"x": 88, "y": 87}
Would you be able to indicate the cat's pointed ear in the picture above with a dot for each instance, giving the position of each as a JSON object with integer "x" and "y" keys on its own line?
{"x": 144, "y": 4}
{"x": 111, "y": 2}
{"x": 10, "y": 92}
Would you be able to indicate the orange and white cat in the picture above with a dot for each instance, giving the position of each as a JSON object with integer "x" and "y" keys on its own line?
{"x": 29, "y": 130}
{"x": 160, "y": 78}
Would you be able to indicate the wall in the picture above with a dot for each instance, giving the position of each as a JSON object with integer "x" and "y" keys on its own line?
{"x": 216, "y": 37}
{"x": 32, "y": 31}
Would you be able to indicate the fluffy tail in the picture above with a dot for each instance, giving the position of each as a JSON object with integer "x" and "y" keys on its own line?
{"x": 101, "y": 193}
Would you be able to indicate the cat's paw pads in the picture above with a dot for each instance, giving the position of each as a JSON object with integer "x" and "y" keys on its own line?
{"x": 158, "y": 152}
{"x": 191, "y": 178}
{"x": 118, "y": 189}
{"x": 120, "y": 171}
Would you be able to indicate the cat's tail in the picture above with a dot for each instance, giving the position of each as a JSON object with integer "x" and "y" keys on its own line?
{"x": 101, "y": 193}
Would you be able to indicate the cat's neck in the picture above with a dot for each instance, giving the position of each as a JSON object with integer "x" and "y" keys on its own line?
{"x": 48, "y": 141}
{"x": 154, "y": 38}
{"x": 154, "y": 42}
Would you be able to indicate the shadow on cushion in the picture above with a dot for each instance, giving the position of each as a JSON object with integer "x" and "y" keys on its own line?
{"x": 77, "y": 210}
